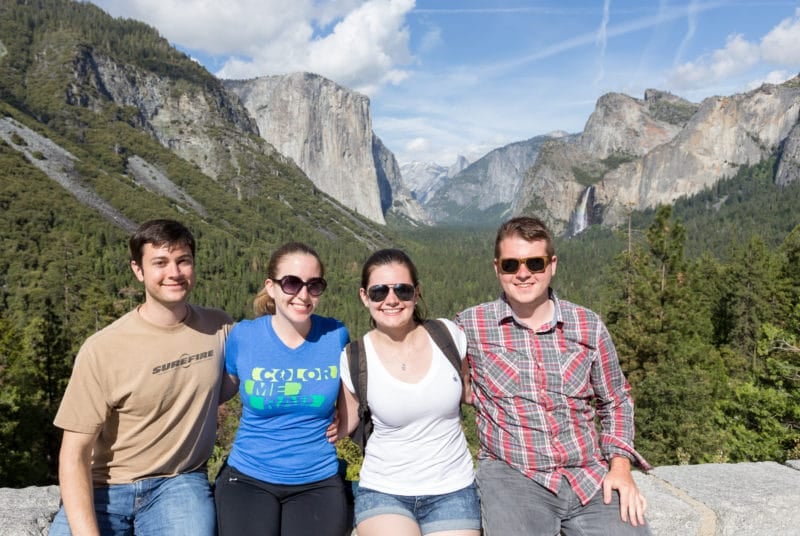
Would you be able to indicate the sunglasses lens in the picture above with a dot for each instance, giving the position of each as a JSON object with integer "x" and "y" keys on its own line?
{"x": 377, "y": 293}
{"x": 535, "y": 264}
{"x": 509, "y": 266}
{"x": 291, "y": 284}
{"x": 316, "y": 286}
{"x": 404, "y": 291}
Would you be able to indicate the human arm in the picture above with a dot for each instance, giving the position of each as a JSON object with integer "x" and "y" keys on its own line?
{"x": 460, "y": 340}
{"x": 230, "y": 385}
{"x": 75, "y": 481}
{"x": 466, "y": 380}
{"x": 632, "y": 504}
{"x": 615, "y": 409}
{"x": 613, "y": 402}
{"x": 332, "y": 431}
{"x": 347, "y": 408}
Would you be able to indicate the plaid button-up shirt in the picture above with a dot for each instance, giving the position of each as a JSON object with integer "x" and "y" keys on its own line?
{"x": 537, "y": 393}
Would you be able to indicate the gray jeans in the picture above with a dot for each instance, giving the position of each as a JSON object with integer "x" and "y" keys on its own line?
{"x": 511, "y": 503}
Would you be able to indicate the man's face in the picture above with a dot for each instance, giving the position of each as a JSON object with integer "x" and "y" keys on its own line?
{"x": 167, "y": 272}
{"x": 523, "y": 288}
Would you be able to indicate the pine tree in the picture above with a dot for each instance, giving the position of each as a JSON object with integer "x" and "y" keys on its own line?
{"x": 675, "y": 374}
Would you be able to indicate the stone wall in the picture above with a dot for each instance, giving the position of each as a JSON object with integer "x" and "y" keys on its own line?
{"x": 745, "y": 499}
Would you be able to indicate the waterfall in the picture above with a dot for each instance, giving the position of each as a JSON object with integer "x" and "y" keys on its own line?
{"x": 581, "y": 218}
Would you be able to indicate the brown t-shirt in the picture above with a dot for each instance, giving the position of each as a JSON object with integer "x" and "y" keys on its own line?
{"x": 151, "y": 392}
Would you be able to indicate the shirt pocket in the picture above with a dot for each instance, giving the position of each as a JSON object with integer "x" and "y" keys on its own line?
{"x": 499, "y": 370}
{"x": 576, "y": 368}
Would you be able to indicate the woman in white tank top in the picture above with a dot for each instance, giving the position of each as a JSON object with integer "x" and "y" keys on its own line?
{"x": 417, "y": 477}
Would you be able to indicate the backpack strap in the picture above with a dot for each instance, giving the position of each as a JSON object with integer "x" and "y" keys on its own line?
{"x": 357, "y": 362}
{"x": 444, "y": 340}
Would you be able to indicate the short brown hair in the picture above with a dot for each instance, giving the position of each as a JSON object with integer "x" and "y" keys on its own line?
{"x": 158, "y": 233}
{"x": 528, "y": 228}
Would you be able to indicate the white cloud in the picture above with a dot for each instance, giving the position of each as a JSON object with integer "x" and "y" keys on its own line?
{"x": 361, "y": 44}
{"x": 691, "y": 28}
{"x": 220, "y": 28}
{"x": 418, "y": 145}
{"x": 737, "y": 57}
{"x": 364, "y": 49}
{"x": 602, "y": 41}
{"x": 782, "y": 44}
{"x": 773, "y": 77}
{"x": 431, "y": 40}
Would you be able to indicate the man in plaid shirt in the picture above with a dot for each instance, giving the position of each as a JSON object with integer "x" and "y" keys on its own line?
{"x": 542, "y": 370}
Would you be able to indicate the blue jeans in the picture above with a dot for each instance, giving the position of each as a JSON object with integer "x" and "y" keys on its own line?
{"x": 512, "y": 503}
{"x": 182, "y": 505}
{"x": 458, "y": 510}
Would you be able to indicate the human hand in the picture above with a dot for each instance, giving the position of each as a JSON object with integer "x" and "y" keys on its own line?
{"x": 332, "y": 432}
{"x": 632, "y": 504}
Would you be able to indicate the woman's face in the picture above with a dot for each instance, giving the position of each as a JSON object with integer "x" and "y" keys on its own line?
{"x": 296, "y": 308}
{"x": 389, "y": 310}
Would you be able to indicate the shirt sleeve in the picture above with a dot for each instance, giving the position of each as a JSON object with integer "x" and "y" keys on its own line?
{"x": 614, "y": 402}
{"x": 344, "y": 370}
{"x": 458, "y": 336}
{"x": 84, "y": 406}
{"x": 232, "y": 350}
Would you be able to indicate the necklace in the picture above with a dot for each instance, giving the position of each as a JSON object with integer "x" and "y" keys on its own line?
{"x": 395, "y": 349}
{"x": 401, "y": 362}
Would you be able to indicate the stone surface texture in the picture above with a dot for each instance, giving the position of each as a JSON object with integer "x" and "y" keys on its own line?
{"x": 744, "y": 499}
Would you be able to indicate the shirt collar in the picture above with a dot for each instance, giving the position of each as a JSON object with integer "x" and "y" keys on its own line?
{"x": 506, "y": 314}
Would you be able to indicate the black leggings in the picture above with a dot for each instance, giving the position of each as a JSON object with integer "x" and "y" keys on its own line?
{"x": 246, "y": 505}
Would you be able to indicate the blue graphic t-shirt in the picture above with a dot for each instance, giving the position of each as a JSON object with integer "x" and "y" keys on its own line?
{"x": 288, "y": 399}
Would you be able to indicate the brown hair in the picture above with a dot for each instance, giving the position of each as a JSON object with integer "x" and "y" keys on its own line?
{"x": 158, "y": 233}
{"x": 528, "y": 228}
{"x": 263, "y": 304}
{"x": 389, "y": 256}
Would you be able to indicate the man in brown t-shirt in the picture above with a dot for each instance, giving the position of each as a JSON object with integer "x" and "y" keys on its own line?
{"x": 139, "y": 412}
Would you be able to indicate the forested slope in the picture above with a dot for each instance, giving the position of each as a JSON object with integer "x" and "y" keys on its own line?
{"x": 702, "y": 298}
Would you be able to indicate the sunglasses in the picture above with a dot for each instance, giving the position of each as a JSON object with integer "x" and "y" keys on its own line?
{"x": 535, "y": 265}
{"x": 403, "y": 291}
{"x": 292, "y": 285}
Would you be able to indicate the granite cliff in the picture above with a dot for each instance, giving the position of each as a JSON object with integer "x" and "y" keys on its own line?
{"x": 327, "y": 130}
{"x": 635, "y": 154}
{"x": 200, "y": 122}
{"x": 114, "y": 114}
{"x": 484, "y": 191}
{"x": 424, "y": 179}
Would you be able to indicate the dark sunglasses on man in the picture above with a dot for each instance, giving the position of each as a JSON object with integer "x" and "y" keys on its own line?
{"x": 535, "y": 265}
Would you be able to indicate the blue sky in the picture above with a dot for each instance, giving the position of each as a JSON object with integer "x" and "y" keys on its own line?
{"x": 450, "y": 77}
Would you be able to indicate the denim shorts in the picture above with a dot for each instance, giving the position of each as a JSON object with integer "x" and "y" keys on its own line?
{"x": 458, "y": 510}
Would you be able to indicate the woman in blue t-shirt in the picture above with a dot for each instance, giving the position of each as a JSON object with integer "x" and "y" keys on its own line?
{"x": 281, "y": 478}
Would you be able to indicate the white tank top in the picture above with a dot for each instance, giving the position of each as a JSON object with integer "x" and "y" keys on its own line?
{"x": 417, "y": 446}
